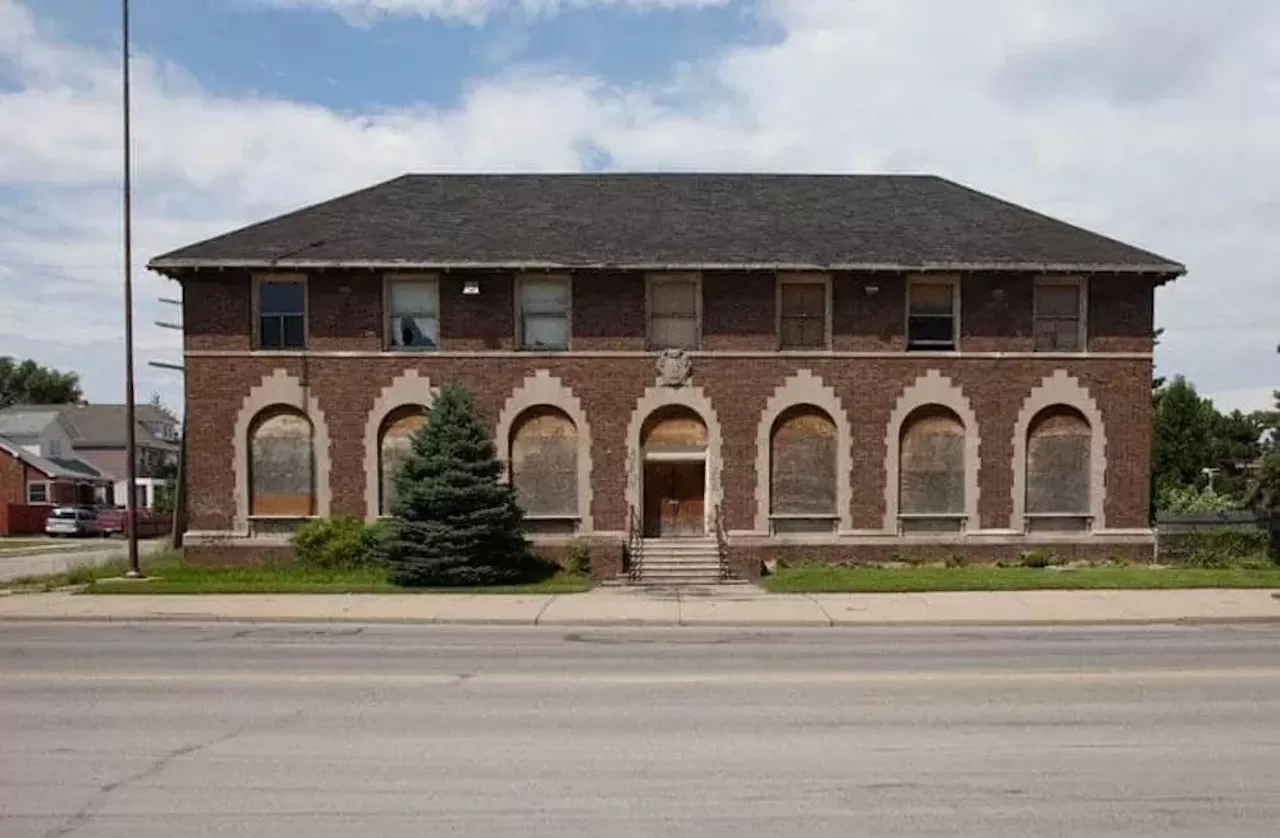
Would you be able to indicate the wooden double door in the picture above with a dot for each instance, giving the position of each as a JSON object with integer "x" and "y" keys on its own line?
{"x": 675, "y": 499}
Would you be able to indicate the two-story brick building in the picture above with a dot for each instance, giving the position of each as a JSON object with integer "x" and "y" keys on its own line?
{"x": 822, "y": 367}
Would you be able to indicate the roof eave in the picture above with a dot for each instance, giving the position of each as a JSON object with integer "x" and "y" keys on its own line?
{"x": 175, "y": 267}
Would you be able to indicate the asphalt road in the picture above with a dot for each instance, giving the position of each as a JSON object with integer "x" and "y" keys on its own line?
{"x": 149, "y": 730}
{"x": 17, "y": 564}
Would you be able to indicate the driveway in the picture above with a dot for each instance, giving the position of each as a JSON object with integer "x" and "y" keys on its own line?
{"x": 39, "y": 561}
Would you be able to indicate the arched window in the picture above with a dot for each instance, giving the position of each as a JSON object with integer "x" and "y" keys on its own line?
{"x": 281, "y": 464}
{"x": 802, "y": 471}
{"x": 393, "y": 446}
{"x": 931, "y": 474}
{"x": 544, "y": 468}
{"x": 1059, "y": 441}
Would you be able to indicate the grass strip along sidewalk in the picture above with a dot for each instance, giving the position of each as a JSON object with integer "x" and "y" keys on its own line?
{"x": 169, "y": 575}
{"x": 867, "y": 579}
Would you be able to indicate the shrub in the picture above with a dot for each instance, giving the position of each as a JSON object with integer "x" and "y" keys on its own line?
{"x": 1188, "y": 500}
{"x": 455, "y": 523}
{"x": 1040, "y": 558}
{"x": 955, "y": 560}
{"x": 1224, "y": 547}
{"x": 336, "y": 544}
{"x": 577, "y": 558}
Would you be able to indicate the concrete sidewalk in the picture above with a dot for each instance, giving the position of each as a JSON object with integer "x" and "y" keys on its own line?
{"x": 727, "y": 606}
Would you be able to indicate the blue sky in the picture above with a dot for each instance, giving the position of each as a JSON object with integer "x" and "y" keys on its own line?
{"x": 1156, "y": 121}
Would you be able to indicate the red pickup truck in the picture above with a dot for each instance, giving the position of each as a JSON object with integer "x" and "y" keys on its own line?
{"x": 112, "y": 521}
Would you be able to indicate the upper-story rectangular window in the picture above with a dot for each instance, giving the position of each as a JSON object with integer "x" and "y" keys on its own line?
{"x": 282, "y": 313}
{"x": 543, "y": 312}
{"x": 804, "y": 313}
{"x": 933, "y": 313}
{"x": 413, "y": 321}
{"x": 1059, "y": 315}
{"x": 675, "y": 308}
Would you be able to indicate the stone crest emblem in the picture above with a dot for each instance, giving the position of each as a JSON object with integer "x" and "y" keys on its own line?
{"x": 674, "y": 368}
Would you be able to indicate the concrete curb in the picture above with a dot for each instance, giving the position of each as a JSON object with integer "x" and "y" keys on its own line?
{"x": 563, "y": 624}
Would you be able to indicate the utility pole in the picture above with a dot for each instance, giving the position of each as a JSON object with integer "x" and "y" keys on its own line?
{"x": 131, "y": 451}
{"x": 178, "y": 520}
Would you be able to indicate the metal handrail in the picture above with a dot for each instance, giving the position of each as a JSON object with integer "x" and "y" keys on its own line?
{"x": 722, "y": 542}
{"x": 635, "y": 545}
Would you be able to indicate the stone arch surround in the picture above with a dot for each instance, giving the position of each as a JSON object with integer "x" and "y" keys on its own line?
{"x": 659, "y": 396}
{"x": 406, "y": 390}
{"x": 933, "y": 388}
{"x": 804, "y": 388}
{"x": 543, "y": 388}
{"x": 1061, "y": 388}
{"x": 279, "y": 388}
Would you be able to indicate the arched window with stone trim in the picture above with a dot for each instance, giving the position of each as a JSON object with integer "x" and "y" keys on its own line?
{"x": 282, "y": 471}
{"x": 394, "y": 437}
{"x": 543, "y": 459}
{"x": 802, "y": 471}
{"x": 931, "y": 474}
{"x": 1059, "y": 468}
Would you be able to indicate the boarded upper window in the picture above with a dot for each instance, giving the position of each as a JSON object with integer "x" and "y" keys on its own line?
{"x": 673, "y": 312}
{"x": 1059, "y": 450}
{"x": 281, "y": 464}
{"x": 544, "y": 462}
{"x": 674, "y": 430}
{"x": 802, "y": 467}
{"x": 802, "y": 314}
{"x": 931, "y": 471}
{"x": 394, "y": 442}
{"x": 1059, "y": 322}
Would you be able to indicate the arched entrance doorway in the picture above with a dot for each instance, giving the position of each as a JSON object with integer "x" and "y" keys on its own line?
{"x": 673, "y": 447}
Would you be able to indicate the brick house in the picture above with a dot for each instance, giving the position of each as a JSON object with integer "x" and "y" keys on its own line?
{"x": 815, "y": 367}
{"x": 39, "y": 469}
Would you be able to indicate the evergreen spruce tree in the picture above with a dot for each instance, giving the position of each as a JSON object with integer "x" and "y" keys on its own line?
{"x": 453, "y": 522}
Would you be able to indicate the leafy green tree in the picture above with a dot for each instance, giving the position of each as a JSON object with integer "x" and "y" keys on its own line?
{"x": 1185, "y": 426}
{"x": 453, "y": 522}
{"x": 29, "y": 383}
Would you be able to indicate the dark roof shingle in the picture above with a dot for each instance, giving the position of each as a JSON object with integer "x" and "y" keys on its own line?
{"x": 671, "y": 220}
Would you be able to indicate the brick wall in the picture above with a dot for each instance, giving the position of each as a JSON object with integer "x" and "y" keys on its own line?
{"x": 738, "y": 315}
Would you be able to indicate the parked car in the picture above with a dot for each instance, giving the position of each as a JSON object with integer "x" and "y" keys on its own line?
{"x": 111, "y": 521}
{"x": 72, "y": 522}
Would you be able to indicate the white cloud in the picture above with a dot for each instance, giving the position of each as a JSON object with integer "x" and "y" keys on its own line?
{"x": 1155, "y": 122}
{"x": 476, "y": 11}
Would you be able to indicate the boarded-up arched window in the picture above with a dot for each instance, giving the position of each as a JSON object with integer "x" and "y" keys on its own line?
{"x": 931, "y": 471}
{"x": 393, "y": 446}
{"x": 544, "y": 462}
{"x": 802, "y": 471}
{"x": 1059, "y": 443}
{"x": 675, "y": 429}
{"x": 281, "y": 464}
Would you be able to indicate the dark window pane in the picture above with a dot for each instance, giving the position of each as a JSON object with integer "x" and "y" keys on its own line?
{"x": 271, "y": 333}
{"x": 294, "y": 333}
{"x": 931, "y": 332}
{"x": 281, "y": 298}
{"x": 932, "y": 298}
{"x": 803, "y": 333}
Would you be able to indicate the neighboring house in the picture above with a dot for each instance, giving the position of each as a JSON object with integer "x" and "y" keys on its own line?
{"x": 39, "y": 469}
{"x": 816, "y": 367}
{"x": 94, "y": 435}
{"x": 100, "y": 431}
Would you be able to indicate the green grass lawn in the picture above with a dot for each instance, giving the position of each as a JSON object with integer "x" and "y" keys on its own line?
{"x": 826, "y": 579}
{"x": 171, "y": 576}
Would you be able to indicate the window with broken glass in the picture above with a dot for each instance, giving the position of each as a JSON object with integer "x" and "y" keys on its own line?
{"x": 413, "y": 322}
